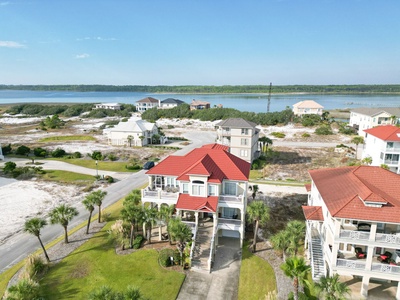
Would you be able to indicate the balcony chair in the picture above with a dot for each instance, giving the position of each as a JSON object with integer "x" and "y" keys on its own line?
{"x": 385, "y": 257}
{"x": 359, "y": 253}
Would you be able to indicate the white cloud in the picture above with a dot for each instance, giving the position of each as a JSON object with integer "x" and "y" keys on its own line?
{"x": 82, "y": 56}
{"x": 11, "y": 44}
{"x": 98, "y": 38}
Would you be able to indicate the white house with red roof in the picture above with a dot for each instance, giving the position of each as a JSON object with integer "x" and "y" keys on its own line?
{"x": 146, "y": 104}
{"x": 207, "y": 184}
{"x": 382, "y": 144}
{"x": 353, "y": 224}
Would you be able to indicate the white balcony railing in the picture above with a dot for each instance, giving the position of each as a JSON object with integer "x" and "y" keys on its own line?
{"x": 351, "y": 264}
{"x": 231, "y": 198}
{"x": 229, "y": 224}
{"x": 160, "y": 195}
{"x": 384, "y": 268}
{"x": 354, "y": 235}
{"x": 391, "y": 162}
{"x": 361, "y": 265}
{"x": 387, "y": 238}
{"x": 364, "y": 236}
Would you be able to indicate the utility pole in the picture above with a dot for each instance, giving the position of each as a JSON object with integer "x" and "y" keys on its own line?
{"x": 269, "y": 96}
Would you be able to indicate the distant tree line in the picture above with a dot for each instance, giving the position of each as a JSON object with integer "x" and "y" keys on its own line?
{"x": 213, "y": 114}
{"x": 212, "y": 89}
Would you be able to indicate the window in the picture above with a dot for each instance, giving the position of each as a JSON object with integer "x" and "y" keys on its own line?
{"x": 185, "y": 188}
{"x": 389, "y": 145}
{"x": 212, "y": 190}
{"x": 226, "y": 129}
{"x": 198, "y": 188}
{"x": 245, "y": 131}
{"x": 244, "y": 142}
{"x": 229, "y": 212}
{"x": 230, "y": 188}
{"x": 171, "y": 181}
{"x": 243, "y": 153}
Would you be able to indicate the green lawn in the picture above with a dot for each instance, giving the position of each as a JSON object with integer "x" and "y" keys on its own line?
{"x": 68, "y": 177}
{"x": 113, "y": 166}
{"x": 257, "y": 277}
{"x": 68, "y": 138}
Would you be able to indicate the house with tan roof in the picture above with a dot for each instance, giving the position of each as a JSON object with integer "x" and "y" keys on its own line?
{"x": 307, "y": 107}
{"x": 368, "y": 117}
{"x": 198, "y": 104}
{"x": 208, "y": 187}
{"x": 146, "y": 104}
{"x": 241, "y": 136}
{"x": 353, "y": 224}
{"x": 382, "y": 145}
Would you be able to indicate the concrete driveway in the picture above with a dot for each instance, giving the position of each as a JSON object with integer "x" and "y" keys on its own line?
{"x": 223, "y": 282}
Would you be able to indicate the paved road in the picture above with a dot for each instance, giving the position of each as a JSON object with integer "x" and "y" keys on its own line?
{"x": 21, "y": 245}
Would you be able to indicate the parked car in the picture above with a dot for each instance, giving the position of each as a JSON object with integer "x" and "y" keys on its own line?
{"x": 148, "y": 165}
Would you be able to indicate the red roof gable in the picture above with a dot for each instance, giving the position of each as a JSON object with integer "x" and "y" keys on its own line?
{"x": 313, "y": 213}
{"x": 345, "y": 191}
{"x": 216, "y": 146}
{"x": 206, "y": 204}
{"x": 385, "y": 133}
{"x": 215, "y": 163}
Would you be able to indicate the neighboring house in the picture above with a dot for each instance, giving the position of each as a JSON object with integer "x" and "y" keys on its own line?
{"x": 382, "y": 144}
{"x": 241, "y": 136}
{"x": 197, "y": 104}
{"x": 364, "y": 118}
{"x": 113, "y": 106}
{"x": 134, "y": 132}
{"x": 307, "y": 107}
{"x": 208, "y": 183}
{"x": 170, "y": 103}
{"x": 146, "y": 103}
{"x": 353, "y": 224}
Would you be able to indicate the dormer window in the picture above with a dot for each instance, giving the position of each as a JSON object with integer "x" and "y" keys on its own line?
{"x": 198, "y": 188}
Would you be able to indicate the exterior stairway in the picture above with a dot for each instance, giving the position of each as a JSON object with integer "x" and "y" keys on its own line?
{"x": 202, "y": 248}
{"x": 317, "y": 259}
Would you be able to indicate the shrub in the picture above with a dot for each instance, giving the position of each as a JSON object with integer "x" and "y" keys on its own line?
{"x": 77, "y": 155}
{"x": 137, "y": 242}
{"x": 23, "y": 150}
{"x": 9, "y": 167}
{"x": 124, "y": 120}
{"x": 6, "y": 149}
{"x": 133, "y": 167}
{"x": 35, "y": 267}
{"x": 112, "y": 157}
{"x": 58, "y": 152}
{"x": 96, "y": 155}
{"x": 280, "y": 135}
{"x": 324, "y": 130}
{"x": 40, "y": 152}
{"x": 109, "y": 179}
{"x": 170, "y": 126}
{"x": 305, "y": 135}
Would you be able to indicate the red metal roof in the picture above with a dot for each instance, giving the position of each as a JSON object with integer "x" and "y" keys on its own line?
{"x": 205, "y": 204}
{"x": 313, "y": 213}
{"x": 345, "y": 191}
{"x": 216, "y": 146}
{"x": 385, "y": 132}
{"x": 214, "y": 163}
{"x": 308, "y": 187}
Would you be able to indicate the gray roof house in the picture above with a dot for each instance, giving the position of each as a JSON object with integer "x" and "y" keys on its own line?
{"x": 170, "y": 103}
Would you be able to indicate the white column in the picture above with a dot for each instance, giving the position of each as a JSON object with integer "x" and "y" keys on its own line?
{"x": 364, "y": 286}
{"x": 335, "y": 248}
{"x": 160, "y": 226}
{"x": 372, "y": 233}
{"x": 1, "y": 153}
{"x": 150, "y": 179}
{"x": 370, "y": 254}
{"x": 196, "y": 217}
{"x": 398, "y": 291}
{"x": 336, "y": 231}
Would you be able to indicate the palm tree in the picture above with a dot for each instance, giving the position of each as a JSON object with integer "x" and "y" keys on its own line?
{"x": 296, "y": 269}
{"x": 367, "y": 160}
{"x": 165, "y": 214}
{"x": 33, "y": 226}
{"x": 357, "y": 140}
{"x": 62, "y": 215}
{"x": 148, "y": 217}
{"x": 254, "y": 189}
{"x": 98, "y": 197}
{"x": 131, "y": 213}
{"x": 181, "y": 233}
{"x": 257, "y": 212}
{"x": 130, "y": 138}
{"x": 89, "y": 203}
{"x": 280, "y": 241}
{"x": 26, "y": 289}
{"x": 296, "y": 232}
{"x": 265, "y": 142}
{"x": 332, "y": 288}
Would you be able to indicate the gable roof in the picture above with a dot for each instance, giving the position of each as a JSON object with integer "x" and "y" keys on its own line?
{"x": 133, "y": 125}
{"x": 373, "y": 111}
{"x": 385, "y": 132}
{"x": 215, "y": 163}
{"x": 199, "y": 102}
{"x": 172, "y": 101}
{"x": 345, "y": 191}
{"x": 216, "y": 146}
{"x": 148, "y": 100}
{"x": 237, "y": 123}
{"x": 307, "y": 104}
{"x": 206, "y": 204}
{"x": 313, "y": 213}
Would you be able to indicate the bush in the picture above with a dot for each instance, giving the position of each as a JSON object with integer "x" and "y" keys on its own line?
{"x": 137, "y": 242}
{"x": 58, "y": 152}
{"x": 35, "y": 267}
{"x": 305, "y": 135}
{"x": 310, "y": 120}
{"x": 9, "y": 167}
{"x": 23, "y": 150}
{"x": 109, "y": 179}
{"x": 280, "y": 135}
{"x": 133, "y": 167}
{"x": 40, "y": 152}
{"x": 6, "y": 149}
{"x": 112, "y": 157}
{"x": 96, "y": 155}
{"x": 124, "y": 120}
{"x": 324, "y": 130}
{"x": 77, "y": 155}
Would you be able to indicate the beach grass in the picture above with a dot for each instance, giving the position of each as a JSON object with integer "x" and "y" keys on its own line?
{"x": 112, "y": 166}
{"x": 67, "y": 138}
{"x": 257, "y": 277}
{"x": 68, "y": 177}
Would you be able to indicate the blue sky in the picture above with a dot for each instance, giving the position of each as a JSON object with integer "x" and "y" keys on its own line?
{"x": 200, "y": 42}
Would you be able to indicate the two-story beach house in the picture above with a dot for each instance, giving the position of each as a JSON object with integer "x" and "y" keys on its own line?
{"x": 134, "y": 132}
{"x": 241, "y": 136}
{"x": 353, "y": 224}
{"x": 146, "y": 103}
{"x": 368, "y": 117}
{"x": 208, "y": 187}
{"x": 198, "y": 104}
{"x": 307, "y": 107}
{"x": 170, "y": 103}
{"x": 382, "y": 144}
